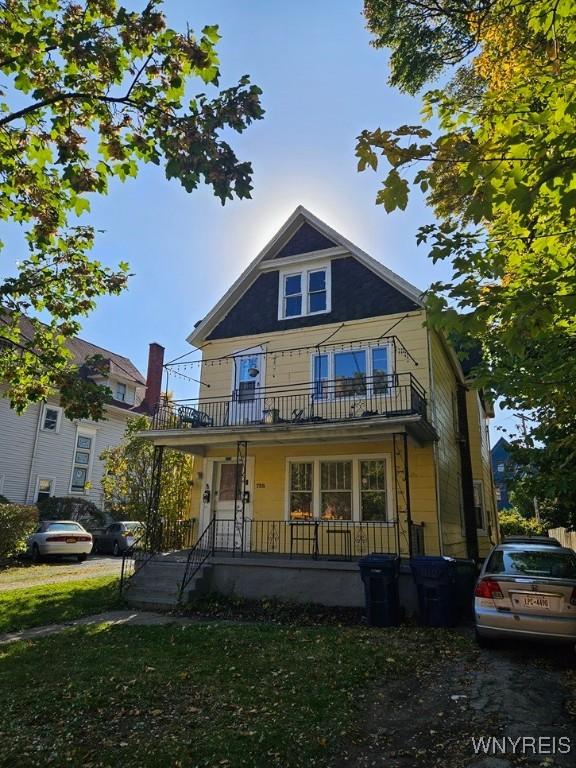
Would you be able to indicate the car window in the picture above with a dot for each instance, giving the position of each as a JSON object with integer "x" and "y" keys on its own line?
{"x": 548, "y": 563}
{"x": 64, "y": 527}
{"x": 133, "y": 526}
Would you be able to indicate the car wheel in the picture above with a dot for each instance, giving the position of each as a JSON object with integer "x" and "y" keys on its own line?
{"x": 116, "y": 550}
{"x": 81, "y": 558}
{"x": 95, "y": 550}
{"x": 485, "y": 642}
{"x": 35, "y": 553}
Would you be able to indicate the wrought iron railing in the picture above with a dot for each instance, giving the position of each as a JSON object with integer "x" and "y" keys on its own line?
{"x": 352, "y": 398}
{"x": 198, "y": 555}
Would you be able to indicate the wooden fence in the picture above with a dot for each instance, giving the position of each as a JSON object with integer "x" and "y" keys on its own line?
{"x": 566, "y": 538}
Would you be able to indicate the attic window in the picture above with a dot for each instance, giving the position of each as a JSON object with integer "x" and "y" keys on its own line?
{"x": 121, "y": 392}
{"x": 304, "y": 293}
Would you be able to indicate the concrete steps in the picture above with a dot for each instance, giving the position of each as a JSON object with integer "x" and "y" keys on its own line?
{"x": 157, "y": 583}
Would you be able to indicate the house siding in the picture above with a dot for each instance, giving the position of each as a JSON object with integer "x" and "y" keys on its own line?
{"x": 481, "y": 467}
{"x": 447, "y": 450}
{"x": 21, "y": 465}
{"x": 357, "y": 293}
{"x": 295, "y": 367}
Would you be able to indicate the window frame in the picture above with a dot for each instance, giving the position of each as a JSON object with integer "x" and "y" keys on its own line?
{"x": 51, "y": 480}
{"x": 90, "y": 433}
{"x": 331, "y": 372}
{"x": 124, "y": 398}
{"x": 478, "y": 484}
{"x": 355, "y": 458}
{"x": 305, "y": 293}
{"x": 47, "y": 407}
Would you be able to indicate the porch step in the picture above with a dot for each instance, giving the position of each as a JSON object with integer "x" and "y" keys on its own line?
{"x": 157, "y": 583}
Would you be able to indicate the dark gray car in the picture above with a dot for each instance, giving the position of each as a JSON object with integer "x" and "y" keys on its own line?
{"x": 118, "y": 537}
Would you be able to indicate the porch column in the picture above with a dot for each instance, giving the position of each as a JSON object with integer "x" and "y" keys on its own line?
{"x": 402, "y": 493}
{"x": 153, "y": 541}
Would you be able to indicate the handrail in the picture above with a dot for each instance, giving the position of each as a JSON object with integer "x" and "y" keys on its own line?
{"x": 198, "y": 555}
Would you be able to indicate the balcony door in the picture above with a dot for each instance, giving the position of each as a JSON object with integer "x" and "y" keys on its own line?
{"x": 247, "y": 400}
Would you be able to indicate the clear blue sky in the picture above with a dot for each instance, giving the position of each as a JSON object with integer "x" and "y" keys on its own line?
{"x": 322, "y": 84}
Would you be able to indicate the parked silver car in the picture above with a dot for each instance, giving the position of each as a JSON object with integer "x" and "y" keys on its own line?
{"x": 526, "y": 590}
{"x": 60, "y": 537}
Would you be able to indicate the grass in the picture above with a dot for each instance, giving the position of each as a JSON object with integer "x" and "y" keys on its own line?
{"x": 199, "y": 695}
{"x": 54, "y": 603}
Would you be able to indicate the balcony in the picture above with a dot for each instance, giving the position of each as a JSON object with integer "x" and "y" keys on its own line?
{"x": 350, "y": 400}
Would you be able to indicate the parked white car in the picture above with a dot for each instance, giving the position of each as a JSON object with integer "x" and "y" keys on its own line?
{"x": 60, "y": 538}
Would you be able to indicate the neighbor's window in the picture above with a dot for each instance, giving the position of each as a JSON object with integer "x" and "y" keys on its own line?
{"x": 479, "y": 504}
{"x": 500, "y": 468}
{"x": 50, "y": 419}
{"x": 336, "y": 490}
{"x": 304, "y": 293}
{"x": 121, "y": 392}
{"x": 350, "y": 373}
{"x": 373, "y": 489}
{"x": 81, "y": 463}
{"x": 45, "y": 486}
{"x": 301, "y": 483}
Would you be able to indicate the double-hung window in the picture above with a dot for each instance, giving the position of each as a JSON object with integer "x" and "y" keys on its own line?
{"x": 304, "y": 293}
{"x": 51, "y": 418}
{"x": 479, "y": 504}
{"x": 301, "y": 490}
{"x": 336, "y": 490}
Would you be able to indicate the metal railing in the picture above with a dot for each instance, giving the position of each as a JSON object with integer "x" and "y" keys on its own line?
{"x": 198, "y": 555}
{"x": 351, "y": 398}
{"x": 170, "y": 535}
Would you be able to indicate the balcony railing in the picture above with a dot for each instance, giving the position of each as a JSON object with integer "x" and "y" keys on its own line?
{"x": 347, "y": 399}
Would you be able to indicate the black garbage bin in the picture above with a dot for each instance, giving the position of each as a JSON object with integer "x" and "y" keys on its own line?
{"x": 437, "y": 586}
{"x": 379, "y": 573}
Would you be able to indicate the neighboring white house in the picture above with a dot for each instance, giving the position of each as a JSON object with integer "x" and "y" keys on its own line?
{"x": 43, "y": 453}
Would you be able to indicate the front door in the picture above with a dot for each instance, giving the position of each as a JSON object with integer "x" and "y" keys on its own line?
{"x": 247, "y": 402}
{"x": 231, "y": 535}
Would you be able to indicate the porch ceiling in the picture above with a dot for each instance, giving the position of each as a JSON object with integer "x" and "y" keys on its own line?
{"x": 197, "y": 440}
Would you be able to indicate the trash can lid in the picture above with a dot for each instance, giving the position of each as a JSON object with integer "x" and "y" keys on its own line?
{"x": 379, "y": 560}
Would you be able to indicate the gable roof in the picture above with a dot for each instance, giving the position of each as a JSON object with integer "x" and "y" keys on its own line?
{"x": 118, "y": 365}
{"x": 302, "y": 229}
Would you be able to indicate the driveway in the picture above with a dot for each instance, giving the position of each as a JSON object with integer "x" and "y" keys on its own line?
{"x": 54, "y": 571}
{"x": 523, "y": 696}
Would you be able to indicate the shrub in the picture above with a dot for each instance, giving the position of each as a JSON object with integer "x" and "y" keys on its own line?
{"x": 17, "y": 522}
{"x": 71, "y": 508}
{"x": 512, "y": 523}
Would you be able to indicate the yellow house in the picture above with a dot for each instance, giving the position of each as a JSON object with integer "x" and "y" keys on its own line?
{"x": 330, "y": 421}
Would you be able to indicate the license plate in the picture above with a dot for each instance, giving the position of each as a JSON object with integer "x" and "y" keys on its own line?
{"x": 533, "y": 601}
{"x": 70, "y": 541}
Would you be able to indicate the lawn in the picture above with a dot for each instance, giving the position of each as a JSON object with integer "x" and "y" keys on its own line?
{"x": 54, "y": 603}
{"x": 206, "y": 694}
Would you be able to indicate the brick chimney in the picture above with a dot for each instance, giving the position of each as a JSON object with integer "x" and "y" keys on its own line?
{"x": 154, "y": 377}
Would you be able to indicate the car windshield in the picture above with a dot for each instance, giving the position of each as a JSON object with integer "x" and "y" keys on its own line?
{"x": 133, "y": 526}
{"x": 548, "y": 563}
{"x": 64, "y": 527}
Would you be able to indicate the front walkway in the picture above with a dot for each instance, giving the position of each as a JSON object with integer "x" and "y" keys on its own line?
{"x": 118, "y": 618}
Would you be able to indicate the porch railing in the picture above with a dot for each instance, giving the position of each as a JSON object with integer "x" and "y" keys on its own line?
{"x": 352, "y": 398}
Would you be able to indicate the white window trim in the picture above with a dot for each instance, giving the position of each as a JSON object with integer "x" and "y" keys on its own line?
{"x": 480, "y": 484}
{"x": 304, "y": 271}
{"x": 83, "y": 432}
{"x": 355, "y": 458}
{"x": 45, "y": 407}
{"x": 51, "y": 480}
{"x": 2, "y": 479}
{"x": 369, "y": 370}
